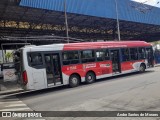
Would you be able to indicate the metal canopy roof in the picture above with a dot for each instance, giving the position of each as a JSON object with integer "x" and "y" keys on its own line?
{"x": 101, "y": 8}
{"x": 20, "y": 21}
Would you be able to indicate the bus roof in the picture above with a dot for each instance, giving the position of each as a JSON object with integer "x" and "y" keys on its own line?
{"x": 92, "y": 45}
{"x": 108, "y": 44}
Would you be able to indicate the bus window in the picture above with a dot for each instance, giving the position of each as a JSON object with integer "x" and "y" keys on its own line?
{"x": 70, "y": 57}
{"x": 107, "y": 55}
{"x": 87, "y": 56}
{"x": 35, "y": 59}
{"x": 141, "y": 52}
{"x": 125, "y": 54}
{"x": 48, "y": 64}
{"x": 100, "y": 54}
{"x": 134, "y": 53}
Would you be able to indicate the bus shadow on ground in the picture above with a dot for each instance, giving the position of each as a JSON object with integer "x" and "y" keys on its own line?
{"x": 128, "y": 75}
{"x": 67, "y": 88}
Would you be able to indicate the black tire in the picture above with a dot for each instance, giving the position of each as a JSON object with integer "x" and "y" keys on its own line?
{"x": 142, "y": 68}
{"x": 90, "y": 78}
{"x": 74, "y": 81}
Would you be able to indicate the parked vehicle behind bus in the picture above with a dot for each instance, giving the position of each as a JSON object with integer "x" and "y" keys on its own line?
{"x": 54, "y": 65}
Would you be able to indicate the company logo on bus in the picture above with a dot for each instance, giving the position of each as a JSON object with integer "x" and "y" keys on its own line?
{"x": 89, "y": 65}
{"x": 105, "y": 65}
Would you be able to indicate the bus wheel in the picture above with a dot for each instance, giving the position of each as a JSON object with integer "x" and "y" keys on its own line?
{"x": 142, "y": 68}
{"x": 74, "y": 80}
{"x": 90, "y": 77}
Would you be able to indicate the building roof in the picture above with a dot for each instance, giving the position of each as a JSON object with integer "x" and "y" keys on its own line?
{"x": 89, "y": 20}
{"x": 127, "y": 10}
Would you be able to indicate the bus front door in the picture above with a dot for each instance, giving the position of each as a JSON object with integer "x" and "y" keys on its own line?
{"x": 53, "y": 69}
{"x": 115, "y": 57}
{"x": 150, "y": 57}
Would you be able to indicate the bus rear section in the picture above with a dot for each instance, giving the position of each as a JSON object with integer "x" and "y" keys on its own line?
{"x": 40, "y": 70}
{"x": 19, "y": 59}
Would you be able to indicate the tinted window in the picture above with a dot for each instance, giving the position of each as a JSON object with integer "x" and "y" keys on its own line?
{"x": 141, "y": 52}
{"x": 48, "y": 63}
{"x": 35, "y": 59}
{"x": 102, "y": 55}
{"x": 134, "y": 53}
{"x": 149, "y": 52}
{"x": 70, "y": 57}
{"x": 87, "y": 56}
{"x": 107, "y": 55}
{"x": 125, "y": 54}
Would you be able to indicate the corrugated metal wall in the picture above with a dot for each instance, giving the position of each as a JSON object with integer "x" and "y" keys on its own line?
{"x": 99, "y": 8}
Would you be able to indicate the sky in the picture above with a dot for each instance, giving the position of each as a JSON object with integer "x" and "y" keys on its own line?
{"x": 150, "y": 2}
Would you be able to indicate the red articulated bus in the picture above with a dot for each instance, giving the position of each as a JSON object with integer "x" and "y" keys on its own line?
{"x": 70, "y": 64}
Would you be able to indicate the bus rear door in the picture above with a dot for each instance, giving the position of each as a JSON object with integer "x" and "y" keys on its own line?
{"x": 53, "y": 69}
{"x": 150, "y": 56}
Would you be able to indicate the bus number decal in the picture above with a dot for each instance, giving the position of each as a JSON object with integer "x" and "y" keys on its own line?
{"x": 73, "y": 68}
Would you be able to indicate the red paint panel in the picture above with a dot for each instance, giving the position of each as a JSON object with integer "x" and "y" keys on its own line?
{"x": 126, "y": 66}
{"x": 99, "y": 68}
{"x": 104, "y": 67}
{"x": 69, "y": 69}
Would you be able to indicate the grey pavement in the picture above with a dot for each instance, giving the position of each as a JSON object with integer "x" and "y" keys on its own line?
{"x": 127, "y": 92}
{"x": 131, "y": 92}
{"x": 9, "y": 87}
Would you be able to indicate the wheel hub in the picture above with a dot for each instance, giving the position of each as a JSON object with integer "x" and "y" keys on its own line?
{"x": 89, "y": 77}
{"x": 74, "y": 80}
